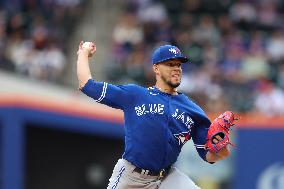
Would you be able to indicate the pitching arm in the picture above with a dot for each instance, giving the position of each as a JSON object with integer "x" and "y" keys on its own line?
{"x": 83, "y": 68}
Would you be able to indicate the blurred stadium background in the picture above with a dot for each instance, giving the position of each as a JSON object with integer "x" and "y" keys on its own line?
{"x": 54, "y": 137}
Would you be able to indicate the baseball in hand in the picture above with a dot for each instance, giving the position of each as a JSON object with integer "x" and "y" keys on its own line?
{"x": 88, "y": 45}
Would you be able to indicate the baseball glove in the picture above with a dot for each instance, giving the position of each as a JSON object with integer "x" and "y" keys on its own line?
{"x": 218, "y": 136}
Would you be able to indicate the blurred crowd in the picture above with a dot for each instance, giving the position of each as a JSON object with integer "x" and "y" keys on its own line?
{"x": 33, "y": 35}
{"x": 236, "y": 49}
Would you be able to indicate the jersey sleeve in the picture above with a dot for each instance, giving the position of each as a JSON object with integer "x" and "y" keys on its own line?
{"x": 115, "y": 96}
{"x": 199, "y": 136}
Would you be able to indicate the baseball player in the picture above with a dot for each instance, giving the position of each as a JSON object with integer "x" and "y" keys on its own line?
{"x": 159, "y": 120}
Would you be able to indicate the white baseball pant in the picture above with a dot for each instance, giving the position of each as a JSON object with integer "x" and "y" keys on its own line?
{"x": 123, "y": 177}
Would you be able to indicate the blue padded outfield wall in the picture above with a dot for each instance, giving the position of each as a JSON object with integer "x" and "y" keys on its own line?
{"x": 18, "y": 172}
{"x": 260, "y": 158}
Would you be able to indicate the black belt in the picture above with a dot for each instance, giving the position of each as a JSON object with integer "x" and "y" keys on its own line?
{"x": 161, "y": 173}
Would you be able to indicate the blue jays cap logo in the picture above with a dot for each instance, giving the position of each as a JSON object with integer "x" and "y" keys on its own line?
{"x": 173, "y": 50}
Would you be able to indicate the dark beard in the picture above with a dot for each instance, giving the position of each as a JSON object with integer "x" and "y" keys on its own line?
{"x": 170, "y": 83}
{"x": 173, "y": 85}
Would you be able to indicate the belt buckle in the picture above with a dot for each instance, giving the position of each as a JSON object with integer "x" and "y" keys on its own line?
{"x": 161, "y": 174}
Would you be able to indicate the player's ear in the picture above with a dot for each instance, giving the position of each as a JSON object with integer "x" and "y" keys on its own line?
{"x": 155, "y": 69}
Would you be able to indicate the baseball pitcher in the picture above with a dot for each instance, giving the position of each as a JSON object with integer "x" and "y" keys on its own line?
{"x": 159, "y": 120}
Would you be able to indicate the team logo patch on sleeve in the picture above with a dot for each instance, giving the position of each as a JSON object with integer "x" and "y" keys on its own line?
{"x": 182, "y": 137}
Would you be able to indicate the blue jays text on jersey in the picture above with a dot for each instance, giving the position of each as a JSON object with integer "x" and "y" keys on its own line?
{"x": 157, "y": 124}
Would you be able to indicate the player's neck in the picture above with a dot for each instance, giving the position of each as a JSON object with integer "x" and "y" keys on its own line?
{"x": 166, "y": 88}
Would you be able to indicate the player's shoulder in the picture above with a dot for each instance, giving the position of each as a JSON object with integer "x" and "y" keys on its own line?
{"x": 133, "y": 87}
{"x": 197, "y": 108}
{"x": 199, "y": 114}
{"x": 188, "y": 99}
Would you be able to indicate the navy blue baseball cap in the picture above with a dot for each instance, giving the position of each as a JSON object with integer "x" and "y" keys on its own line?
{"x": 167, "y": 52}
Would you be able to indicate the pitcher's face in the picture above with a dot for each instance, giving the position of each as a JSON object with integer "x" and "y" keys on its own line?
{"x": 170, "y": 72}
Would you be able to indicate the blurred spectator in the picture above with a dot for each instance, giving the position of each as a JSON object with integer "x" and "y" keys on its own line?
{"x": 243, "y": 13}
{"x": 206, "y": 31}
{"x": 280, "y": 78}
{"x": 4, "y": 62}
{"x": 152, "y": 11}
{"x": 269, "y": 99}
{"x": 21, "y": 54}
{"x": 53, "y": 63}
{"x": 135, "y": 64}
{"x": 275, "y": 45}
{"x": 254, "y": 65}
{"x": 32, "y": 38}
{"x": 127, "y": 31}
{"x": 231, "y": 63}
{"x": 267, "y": 13}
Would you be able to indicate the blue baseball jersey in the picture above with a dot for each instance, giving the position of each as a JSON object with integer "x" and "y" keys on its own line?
{"x": 157, "y": 124}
